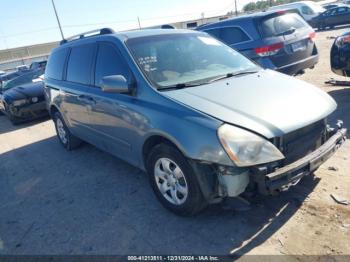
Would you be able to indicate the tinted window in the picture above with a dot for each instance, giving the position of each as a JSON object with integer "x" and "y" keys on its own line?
{"x": 191, "y": 25}
{"x": 79, "y": 64}
{"x": 229, "y": 35}
{"x": 56, "y": 64}
{"x": 342, "y": 10}
{"x": 277, "y": 25}
{"x": 109, "y": 62}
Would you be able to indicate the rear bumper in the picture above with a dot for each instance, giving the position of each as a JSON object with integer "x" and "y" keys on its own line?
{"x": 282, "y": 178}
{"x": 294, "y": 68}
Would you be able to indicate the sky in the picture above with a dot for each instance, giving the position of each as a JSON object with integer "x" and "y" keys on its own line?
{"x": 28, "y": 22}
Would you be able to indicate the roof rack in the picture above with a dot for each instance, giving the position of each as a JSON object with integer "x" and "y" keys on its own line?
{"x": 102, "y": 31}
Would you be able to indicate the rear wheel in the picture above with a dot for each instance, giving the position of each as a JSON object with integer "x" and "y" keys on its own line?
{"x": 66, "y": 138}
{"x": 173, "y": 181}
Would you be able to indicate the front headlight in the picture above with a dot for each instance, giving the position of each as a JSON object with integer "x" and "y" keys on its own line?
{"x": 19, "y": 102}
{"x": 245, "y": 148}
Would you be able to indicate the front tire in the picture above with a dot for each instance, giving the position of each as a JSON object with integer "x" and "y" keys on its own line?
{"x": 173, "y": 181}
{"x": 66, "y": 138}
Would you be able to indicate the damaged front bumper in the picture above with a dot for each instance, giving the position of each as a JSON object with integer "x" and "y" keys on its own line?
{"x": 28, "y": 111}
{"x": 282, "y": 178}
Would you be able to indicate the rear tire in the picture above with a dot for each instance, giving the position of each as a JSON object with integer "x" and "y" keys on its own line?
{"x": 66, "y": 138}
{"x": 173, "y": 181}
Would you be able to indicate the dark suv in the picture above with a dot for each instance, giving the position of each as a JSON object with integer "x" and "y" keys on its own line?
{"x": 278, "y": 40}
{"x": 204, "y": 121}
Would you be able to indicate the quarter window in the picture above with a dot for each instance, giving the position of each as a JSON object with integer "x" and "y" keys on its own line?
{"x": 229, "y": 35}
{"x": 79, "y": 64}
{"x": 109, "y": 62}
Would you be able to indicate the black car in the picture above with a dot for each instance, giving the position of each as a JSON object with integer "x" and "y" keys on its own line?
{"x": 278, "y": 40}
{"x": 340, "y": 55}
{"x": 24, "y": 102}
{"x": 332, "y": 17}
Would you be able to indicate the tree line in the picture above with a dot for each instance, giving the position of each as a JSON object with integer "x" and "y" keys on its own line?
{"x": 262, "y": 5}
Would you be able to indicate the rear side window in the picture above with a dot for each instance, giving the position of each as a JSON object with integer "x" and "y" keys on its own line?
{"x": 79, "y": 64}
{"x": 277, "y": 25}
{"x": 55, "y": 64}
{"x": 109, "y": 62}
{"x": 229, "y": 35}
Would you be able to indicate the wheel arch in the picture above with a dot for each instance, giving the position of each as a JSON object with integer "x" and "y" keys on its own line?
{"x": 156, "y": 139}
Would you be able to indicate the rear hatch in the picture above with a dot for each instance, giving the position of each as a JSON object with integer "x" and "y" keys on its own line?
{"x": 286, "y": 38}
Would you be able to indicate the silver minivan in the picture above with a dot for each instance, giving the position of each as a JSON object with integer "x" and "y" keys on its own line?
{"x": 201, "y": 119}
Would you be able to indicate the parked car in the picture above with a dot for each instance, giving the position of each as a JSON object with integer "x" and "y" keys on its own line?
{"x": 340, "y": 55}
{"x": 204, "y": 121}
{"x": 24, "y": 102}
{"x": 332, "y": 17}
{"x": 307, "y": 9}
{"x": 281, "y": 40}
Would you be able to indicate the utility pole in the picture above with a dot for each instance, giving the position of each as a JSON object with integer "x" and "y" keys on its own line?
{"x": 58, "y": 20}
{"x": 138, "y": 20}
{"x": 236, "y": 8}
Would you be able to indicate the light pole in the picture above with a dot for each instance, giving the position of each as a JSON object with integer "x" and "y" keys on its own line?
{"x": 236, "y": 8}
{"x": 58, "y": 20}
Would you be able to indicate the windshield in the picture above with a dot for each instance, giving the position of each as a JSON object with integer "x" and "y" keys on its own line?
{"x": 23, "y": 79}
{"x": 170, "y": 60}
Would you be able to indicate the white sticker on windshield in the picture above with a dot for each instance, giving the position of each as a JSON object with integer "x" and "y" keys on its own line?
{"x": 209, "y": 40}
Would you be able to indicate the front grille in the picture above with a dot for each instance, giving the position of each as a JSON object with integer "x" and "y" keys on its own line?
{"x": 301, "y": 142}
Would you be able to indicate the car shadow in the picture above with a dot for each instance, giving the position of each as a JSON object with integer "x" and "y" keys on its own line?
{"x": 342, "y": 97}
{"x": 89, "y": 202}
{"x": 6, "y": 125}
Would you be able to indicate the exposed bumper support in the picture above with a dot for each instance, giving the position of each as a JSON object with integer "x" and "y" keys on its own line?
{"x": 282, "y": 178}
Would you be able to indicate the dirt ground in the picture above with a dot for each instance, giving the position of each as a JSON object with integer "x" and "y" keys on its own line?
{"x": 88, "y": 202}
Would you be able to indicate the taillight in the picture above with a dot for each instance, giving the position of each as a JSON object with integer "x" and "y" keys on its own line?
{"x": 268, "y": 50}
{"x": 312, "y": 36}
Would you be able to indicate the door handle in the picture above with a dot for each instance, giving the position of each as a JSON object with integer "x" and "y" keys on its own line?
{"x": 87, "y": 99}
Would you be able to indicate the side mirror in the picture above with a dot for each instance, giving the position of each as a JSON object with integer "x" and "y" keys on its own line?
{"x": 115, "y": 84}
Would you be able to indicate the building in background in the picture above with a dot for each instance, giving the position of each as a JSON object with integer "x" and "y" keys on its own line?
{"x": 11, "y": 58}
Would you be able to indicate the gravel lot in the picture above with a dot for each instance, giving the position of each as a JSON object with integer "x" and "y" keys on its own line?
{"x": 88, "y": 202}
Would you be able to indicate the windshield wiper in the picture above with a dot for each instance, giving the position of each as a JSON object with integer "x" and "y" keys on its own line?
{"x": 228, "y": 75}
{"x": 178, "y": 86}
{"x": 287, "y": 32}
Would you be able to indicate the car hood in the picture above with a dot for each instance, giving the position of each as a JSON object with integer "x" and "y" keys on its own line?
{"x": 269, "y": 103}
{"x": 25, "y": 91}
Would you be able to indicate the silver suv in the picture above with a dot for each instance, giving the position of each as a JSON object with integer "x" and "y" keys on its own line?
{"x": 203, "y": 120}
